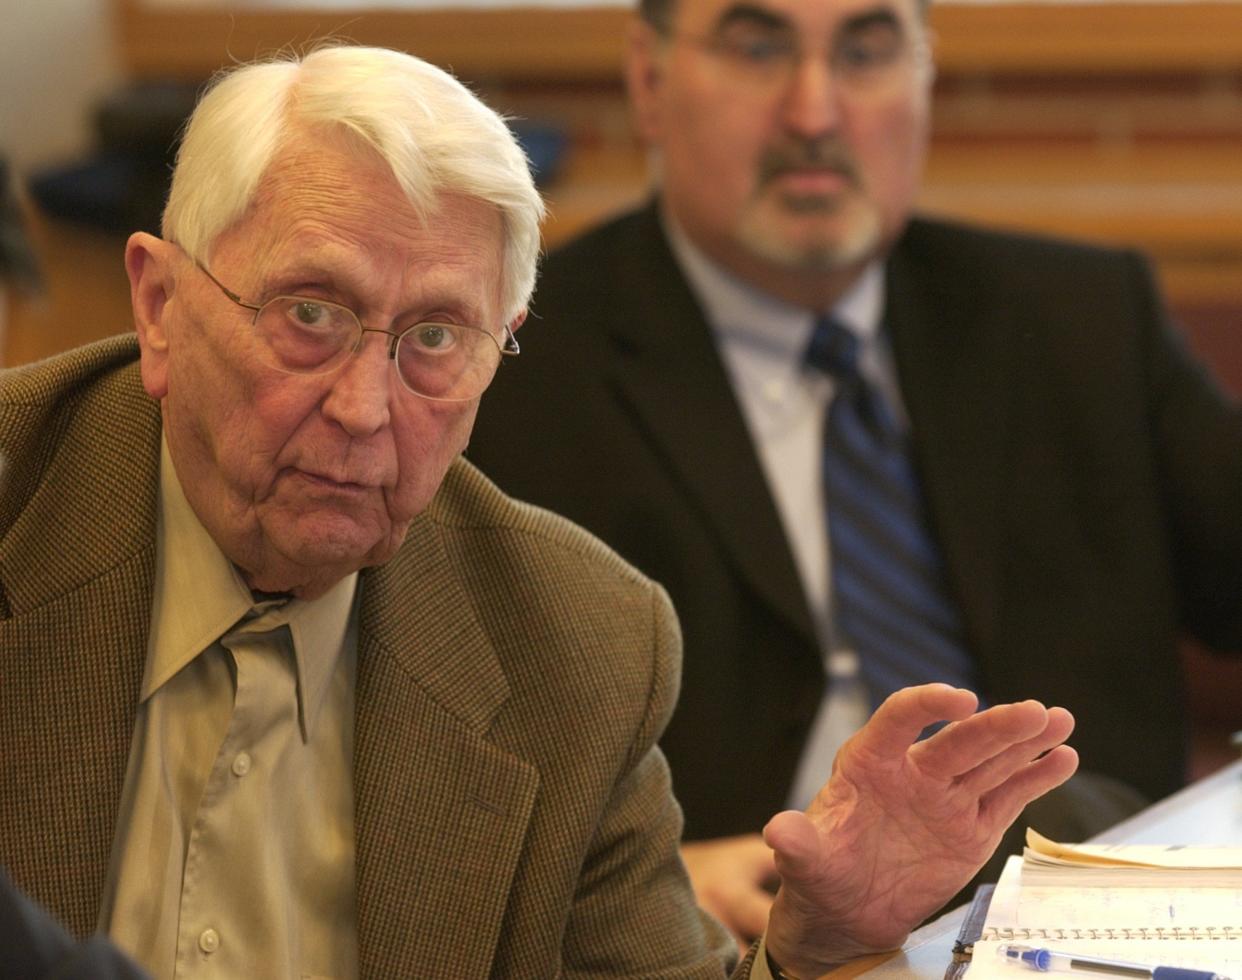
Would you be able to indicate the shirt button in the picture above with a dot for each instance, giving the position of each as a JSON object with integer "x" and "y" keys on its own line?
{"x": 209, "y": 941}
{"x": 241, "y": 764}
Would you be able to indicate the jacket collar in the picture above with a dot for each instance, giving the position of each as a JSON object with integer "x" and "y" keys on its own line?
{"x": 668, "y": 369}
{"x": 441, "y": 811}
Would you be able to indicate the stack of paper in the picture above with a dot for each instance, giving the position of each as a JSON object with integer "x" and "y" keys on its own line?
{"x": 1167, "y": 906}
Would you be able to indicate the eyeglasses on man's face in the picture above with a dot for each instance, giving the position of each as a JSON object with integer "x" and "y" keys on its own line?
{"x": 446, "y": 362}
{"x": 867, "y": 52}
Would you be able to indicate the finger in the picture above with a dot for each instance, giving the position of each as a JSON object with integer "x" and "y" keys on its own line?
{"x": 748, "y": 914}
{"x": 1004, "y": 803}
{"x": 729, "y": 876}
{"x": 899, "y": 721}
{"x": 727, "y": 864}
{"x": 996, "y": 770}
{"x": 968, "y": 744}
{"x": 746, "y": 852}
{"x": 755, "y": 857}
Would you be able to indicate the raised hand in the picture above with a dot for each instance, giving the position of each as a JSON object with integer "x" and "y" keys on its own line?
{"x": 902, "y": 825}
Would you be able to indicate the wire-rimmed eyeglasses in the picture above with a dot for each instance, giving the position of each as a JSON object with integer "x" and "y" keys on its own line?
{"x": 868, "y": 53}
{"x": 445, "y": 362}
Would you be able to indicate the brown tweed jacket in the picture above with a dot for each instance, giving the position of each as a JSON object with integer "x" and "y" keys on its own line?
{"x": 514, "y": 817}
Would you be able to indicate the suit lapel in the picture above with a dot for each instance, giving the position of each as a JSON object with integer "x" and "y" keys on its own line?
{"x": 441, "y": 812}
{"x": 666, "y": 368}
{"x": 78, "y": 569}
{"x": 89, "y": 646}
{"x": 955, "y": 359}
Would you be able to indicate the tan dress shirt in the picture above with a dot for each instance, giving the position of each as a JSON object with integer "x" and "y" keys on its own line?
{"x": 234, "y": 848}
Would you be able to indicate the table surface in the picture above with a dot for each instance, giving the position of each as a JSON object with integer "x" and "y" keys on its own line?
{"x": 1208, "y": 812}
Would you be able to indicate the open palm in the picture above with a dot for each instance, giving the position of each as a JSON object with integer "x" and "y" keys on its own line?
{"x": 902, "y": 825}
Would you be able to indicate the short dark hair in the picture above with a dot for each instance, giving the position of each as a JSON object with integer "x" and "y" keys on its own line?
{"x": 657, "y": 13}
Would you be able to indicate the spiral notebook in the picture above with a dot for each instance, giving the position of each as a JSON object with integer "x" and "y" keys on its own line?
{"x": 1167, "y": 906}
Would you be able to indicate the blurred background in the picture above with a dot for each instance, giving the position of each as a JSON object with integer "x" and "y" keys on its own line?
{"x": 1120, "y": 122}
{"x": 1116, "y": 122}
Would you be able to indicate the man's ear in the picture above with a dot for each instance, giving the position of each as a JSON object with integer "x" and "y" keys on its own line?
{"x": 517, "y": 321}
{"x": 644, "y": 76}
{"x": 149, "y": 262}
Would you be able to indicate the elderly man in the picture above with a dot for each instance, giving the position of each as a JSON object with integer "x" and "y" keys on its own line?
{"x": 862, "y": 448}
{"x": 289, "y": 689}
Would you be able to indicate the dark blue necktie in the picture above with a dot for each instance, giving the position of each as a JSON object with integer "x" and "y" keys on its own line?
{"x": 891, "y": 602}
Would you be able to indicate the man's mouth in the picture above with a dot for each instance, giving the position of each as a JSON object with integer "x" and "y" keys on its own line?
{"x": 323, "y": 482}
{"x": 812, "y": 182}
{"x": 819, "y": 168}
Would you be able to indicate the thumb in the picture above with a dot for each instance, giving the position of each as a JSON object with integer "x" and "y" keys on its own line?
{"x": 794, "y": 840}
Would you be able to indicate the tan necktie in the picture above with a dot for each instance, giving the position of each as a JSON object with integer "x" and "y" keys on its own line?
{"x": 232, "y": 901}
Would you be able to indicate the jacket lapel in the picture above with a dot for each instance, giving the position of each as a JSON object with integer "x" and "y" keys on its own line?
{"x": 77, "y": 568}
{"x": 955, "y": 361}
{"x": 89, "y": 646}
{"x": 441, "y": 813}
{"x": 666, "y": 368}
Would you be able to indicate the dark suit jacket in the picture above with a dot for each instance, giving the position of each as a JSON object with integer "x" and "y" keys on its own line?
{"x": 33, "y": 946}
{"x": 513, "y": 817}
{"x": 1084, "y": 479}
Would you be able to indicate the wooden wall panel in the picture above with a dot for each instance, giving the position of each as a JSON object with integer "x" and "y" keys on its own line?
{"x": 1117, "y": 122}
{"x": 542, "y": 43}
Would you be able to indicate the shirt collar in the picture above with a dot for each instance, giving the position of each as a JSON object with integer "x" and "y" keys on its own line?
{"x": 199, "y": 595}
{"x": 743, "y": 315}
{"x": 321, "y": 629}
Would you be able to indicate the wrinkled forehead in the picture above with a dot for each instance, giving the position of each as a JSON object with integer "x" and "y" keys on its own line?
{"x": 328, "y": 162}
{"x": 322, "y": 176}
{"x": 332, "y": 214}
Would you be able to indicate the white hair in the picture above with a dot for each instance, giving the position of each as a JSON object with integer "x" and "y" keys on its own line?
{"x": 434, "y": 134}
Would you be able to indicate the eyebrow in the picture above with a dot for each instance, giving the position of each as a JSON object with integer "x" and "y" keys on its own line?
{"x": 750, "y": 14}
{"x": 755, "y": 15}
{"x": 876, "y": 17}
{"x": 318, "y": 273}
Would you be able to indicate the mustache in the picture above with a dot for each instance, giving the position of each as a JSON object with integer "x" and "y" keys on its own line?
{"x": 824, "y": 154}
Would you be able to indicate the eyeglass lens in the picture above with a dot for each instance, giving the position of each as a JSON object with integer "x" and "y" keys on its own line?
{"x": 445, "y": 361}
{"x": 867, "y": 51}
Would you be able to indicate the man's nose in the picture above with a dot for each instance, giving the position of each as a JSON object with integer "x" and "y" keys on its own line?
{"x": 361, "y": 393}
{"x": 810, "y": 108}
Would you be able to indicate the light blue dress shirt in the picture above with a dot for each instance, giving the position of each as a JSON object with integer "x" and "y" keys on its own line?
{"x": 762, "y": 341}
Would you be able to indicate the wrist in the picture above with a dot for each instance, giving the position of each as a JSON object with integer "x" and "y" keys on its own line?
{"x": 774, "y": 968}
{"x": 804, "y": 971}
{"x": 780, "y": 973}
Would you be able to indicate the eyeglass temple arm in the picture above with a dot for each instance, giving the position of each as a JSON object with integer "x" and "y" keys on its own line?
{"x": 510, "y": 346}
{"x": 225, "y": 289}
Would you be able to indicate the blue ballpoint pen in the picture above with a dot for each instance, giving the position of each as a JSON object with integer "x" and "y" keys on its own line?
{"x": 1047, "y": 959}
